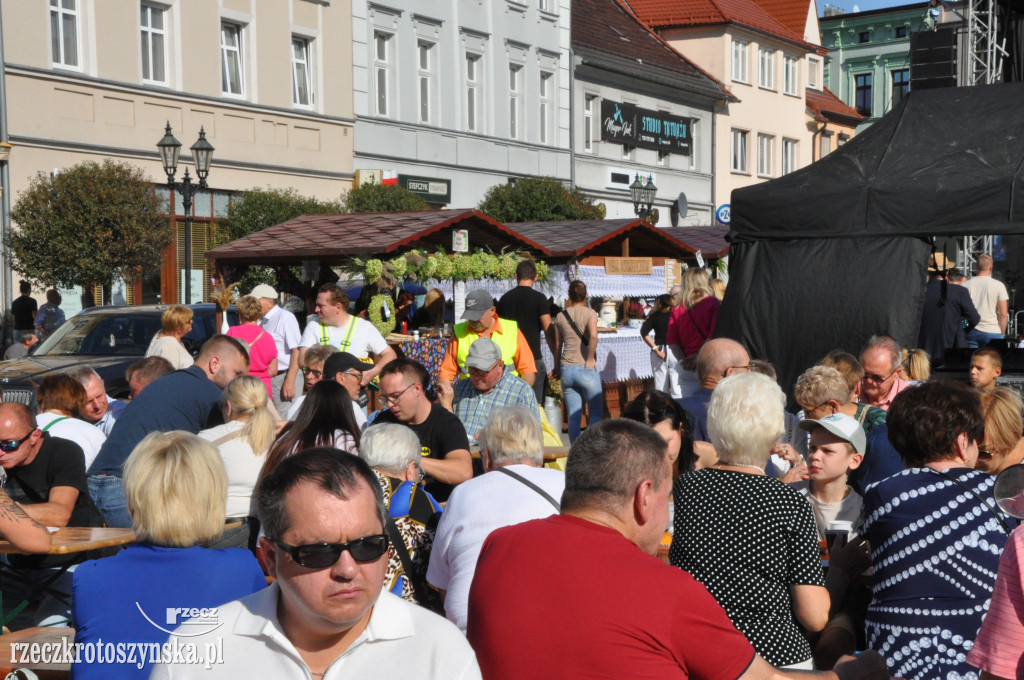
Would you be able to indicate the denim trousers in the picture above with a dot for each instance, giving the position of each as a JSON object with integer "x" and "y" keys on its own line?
{"x": 581, "y": 385}
{"x": 107, "y": 493}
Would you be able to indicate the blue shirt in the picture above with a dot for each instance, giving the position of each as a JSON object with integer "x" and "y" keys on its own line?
{"x": 696, "y": 405}
{"x": 183, "y": 400}
{"x": 112, "y": 598}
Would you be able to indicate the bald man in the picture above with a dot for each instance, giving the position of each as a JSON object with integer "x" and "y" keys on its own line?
{"x": 717, "y": 359}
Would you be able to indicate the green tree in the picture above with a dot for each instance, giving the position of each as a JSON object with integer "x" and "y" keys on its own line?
{"x": 538, "y": 199}
{"x": 258, "y": 209}
{"x": 371, "y": 198}
{"x": 88, "y": 224}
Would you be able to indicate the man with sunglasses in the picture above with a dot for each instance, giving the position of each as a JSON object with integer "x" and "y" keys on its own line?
{"x": 443, "y": 441}
{"x": 46, "y": 476}
{"x": 326, "y": 615}
{"x": 881, "y": 361}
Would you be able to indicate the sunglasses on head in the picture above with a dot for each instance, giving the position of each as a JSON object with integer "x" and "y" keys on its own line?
{"x": 320, "y": 555}
{"x": 9, "y": 445}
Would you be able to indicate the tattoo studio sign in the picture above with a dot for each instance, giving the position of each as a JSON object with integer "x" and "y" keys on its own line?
{"x": 644, "y": 128}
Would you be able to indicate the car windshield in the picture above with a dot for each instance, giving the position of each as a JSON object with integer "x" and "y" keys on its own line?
{"x": 102, "y": 334}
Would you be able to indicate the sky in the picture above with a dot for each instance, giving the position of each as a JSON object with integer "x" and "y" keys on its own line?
{"x": 850, "y": 6}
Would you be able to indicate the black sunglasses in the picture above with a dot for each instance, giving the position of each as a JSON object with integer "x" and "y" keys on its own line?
{"x": 320, "y": 555}
{"x": 9, "y": 445}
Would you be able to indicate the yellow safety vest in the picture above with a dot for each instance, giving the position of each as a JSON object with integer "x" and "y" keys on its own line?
{"x": 506, "y": 340}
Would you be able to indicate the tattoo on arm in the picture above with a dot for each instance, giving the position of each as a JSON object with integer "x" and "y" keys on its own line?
{"x": 12, "y": 512}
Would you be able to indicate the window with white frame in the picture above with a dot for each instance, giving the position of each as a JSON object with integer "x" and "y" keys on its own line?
{"x": 738, "y": 151}
{"x": 64, "y": 33}
{"x": 788, "y": 156}
{"x": 739, "y": 61}
{"x": 791, "y": 75}
{"x": 545, "y": 107}
{"x": 826, "y": 145}
{"x": 302, "y": 73}
{"x": 232, "y": 62}
{"x": 154, "y": 44}
{"x": 588, "y": 122}
{"x": 473, "y": 75}
{"x": 544, "y": 5}
{"x": 381, "y": 76}
{"x": 694, "y": 136}
{"x": 424, "y": 64}
{"x": 765, "y": 153}
{"x": 812, "y": 73}
{"x": 515, "y": 85}
{"x": 766, "y": 68}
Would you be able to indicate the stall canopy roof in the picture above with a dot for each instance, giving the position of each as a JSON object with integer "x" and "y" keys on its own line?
{"x": 333, "y": 237}
{"x": 946, "y": 161}
{"x": 599, "y": 237}
{"x": 710, "y": 241}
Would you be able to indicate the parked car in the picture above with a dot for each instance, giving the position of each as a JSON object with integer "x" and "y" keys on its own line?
{"x": 107, "y": 339}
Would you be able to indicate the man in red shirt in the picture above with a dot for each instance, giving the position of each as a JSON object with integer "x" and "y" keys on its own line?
{"x": 581, "y": 594}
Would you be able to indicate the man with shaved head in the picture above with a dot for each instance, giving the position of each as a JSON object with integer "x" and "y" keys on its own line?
{"x": 717, "y": 359}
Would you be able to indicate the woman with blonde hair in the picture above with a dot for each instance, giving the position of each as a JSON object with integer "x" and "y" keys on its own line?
{"x": 260, "y": 343}
{"x": 1002, "y": 445}
{"x": 175, "y": 486}
{"x": 915, "y": 365}
{"x": 176, "y": 322}
{"x": 242, "y": 441}
{"x": 691, "y": 325}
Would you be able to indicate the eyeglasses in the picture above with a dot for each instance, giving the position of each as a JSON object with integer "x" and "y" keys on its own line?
{"x": 313, "y": 372}
{"x": 984, "y": 453}
{"x": 393, "y": 398}
{"x": 725, "y": 373}
{"x": 353, "y": 374}
{"x": 321, "y": 555}
{"x": 877, "y": 379}
{"x": 9, "y": 445}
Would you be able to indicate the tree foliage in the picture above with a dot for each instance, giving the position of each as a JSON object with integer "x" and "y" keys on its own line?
{"x": 88, "y": 224}
{"x": 538, "y": 199}
{"x": 371, "y": 198}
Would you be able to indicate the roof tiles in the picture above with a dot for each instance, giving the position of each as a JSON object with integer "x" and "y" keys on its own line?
{"x": 824, "y": 105}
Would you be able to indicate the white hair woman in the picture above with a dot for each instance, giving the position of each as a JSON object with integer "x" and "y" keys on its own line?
{"x": 176, "y": 486}
{"x": 393, "y": 451}
{"x": 511, "y": 436}
{"x": 242, "y": 443}
{"x": 750, "y": 540}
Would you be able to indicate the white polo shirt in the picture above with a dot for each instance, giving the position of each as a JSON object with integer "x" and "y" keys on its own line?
{"x": 474, "y": 510}
{"x": 284, "y": 327}
{"x": 401, "y": 640}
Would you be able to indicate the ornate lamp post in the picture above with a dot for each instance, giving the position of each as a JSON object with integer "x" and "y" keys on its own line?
{"x": 643, "y": 196}
{"x": 202, "y": 154}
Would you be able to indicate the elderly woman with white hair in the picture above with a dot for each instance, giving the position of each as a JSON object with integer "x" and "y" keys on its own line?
{"x": 393, "y": 451}
{"x": 749, "y": 539}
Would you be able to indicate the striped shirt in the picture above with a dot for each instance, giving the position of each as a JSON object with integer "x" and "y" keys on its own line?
{"x": 999, "y": 647}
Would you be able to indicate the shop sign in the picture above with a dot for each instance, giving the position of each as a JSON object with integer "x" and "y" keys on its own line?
{"x": 673, "y": 273}
{"x": 629, "y": 265}
{"x": 431, "y": 189}
{"x": 460, "y": 241}
{"x": 627, "y": 124}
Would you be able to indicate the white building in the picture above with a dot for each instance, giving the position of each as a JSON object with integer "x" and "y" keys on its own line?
{"x": 460, "y": 95}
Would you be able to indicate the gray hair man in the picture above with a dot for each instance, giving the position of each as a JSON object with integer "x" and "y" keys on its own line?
{"x": 99, "y": 409}
{"x": 614, "y": 510}
{"x": 515, "y": 488}
{"x": 881, "y": 361}
{"x": 717, "y": 359}
{"x": 22, "y": 345}
{"x": 284, "y": 328}
{"x": 326, "y": 615}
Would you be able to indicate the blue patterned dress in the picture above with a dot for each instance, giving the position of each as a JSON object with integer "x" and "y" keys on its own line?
{"x": 935, "y": 548}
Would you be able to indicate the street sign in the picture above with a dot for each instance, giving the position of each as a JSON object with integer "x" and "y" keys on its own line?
{"x": 724, "y": 213}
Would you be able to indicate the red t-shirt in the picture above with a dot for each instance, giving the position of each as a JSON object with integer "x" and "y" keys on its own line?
{"x": 690, "y": 329}
{"x": 562, "y": 597}
{"x": 262, "y": 350}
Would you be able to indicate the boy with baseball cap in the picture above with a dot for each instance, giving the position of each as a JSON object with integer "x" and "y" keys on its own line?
{"x": 836, "y": 447}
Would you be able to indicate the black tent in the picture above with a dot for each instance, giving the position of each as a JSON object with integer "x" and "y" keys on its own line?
{"x": 828, "y": 255}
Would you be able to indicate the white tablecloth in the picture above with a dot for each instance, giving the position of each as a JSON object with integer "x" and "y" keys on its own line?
{"x": 620, "y": 356}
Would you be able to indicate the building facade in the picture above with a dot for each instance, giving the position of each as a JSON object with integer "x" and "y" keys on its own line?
{"x": 462, "y": 95}
{"x": 666, "y": 134}
{"x": 268, "y": 80}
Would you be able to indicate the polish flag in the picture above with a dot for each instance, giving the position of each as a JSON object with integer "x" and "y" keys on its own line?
{"x": 388, "y": 177}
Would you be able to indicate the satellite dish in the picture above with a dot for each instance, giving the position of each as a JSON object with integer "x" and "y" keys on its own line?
{"x": 681, "y": 205}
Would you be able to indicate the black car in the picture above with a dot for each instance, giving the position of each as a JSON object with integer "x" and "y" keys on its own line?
{"x": 108, "y": 340}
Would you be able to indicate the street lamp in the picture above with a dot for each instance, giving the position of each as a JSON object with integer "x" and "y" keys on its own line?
{"x": 202, "y": 154}
{"x": 643, "y": 196}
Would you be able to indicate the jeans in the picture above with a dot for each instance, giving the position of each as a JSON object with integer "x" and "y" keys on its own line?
{"x": 978, "y": 338}
{"x": 581, "y": 384}
{"x": 107, "y": 493}
{"x": 666, "y": 375}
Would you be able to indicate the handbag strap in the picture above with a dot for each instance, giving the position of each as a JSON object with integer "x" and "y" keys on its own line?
{"x": 527, "y": 482}
{"x": 403, "y": 554}
{"x": 584, "y": 343}
{"x": 228, "y": 437}
{"x": 1002, "y": 522}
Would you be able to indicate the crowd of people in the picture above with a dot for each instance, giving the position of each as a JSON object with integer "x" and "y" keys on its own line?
{"x": 427, "y": 536}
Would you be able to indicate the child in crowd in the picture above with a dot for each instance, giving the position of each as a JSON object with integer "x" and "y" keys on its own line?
{"x": 986, "y": 366}
{"x": 836, "y": 446}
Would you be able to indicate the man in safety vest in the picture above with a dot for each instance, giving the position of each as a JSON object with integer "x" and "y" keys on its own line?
{"x": 481, "y": 321}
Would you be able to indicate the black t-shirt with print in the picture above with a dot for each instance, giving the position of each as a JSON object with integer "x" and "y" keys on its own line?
{"x": 440, "y": 434}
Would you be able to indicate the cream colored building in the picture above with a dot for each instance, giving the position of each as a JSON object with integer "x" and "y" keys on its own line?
{"x": 767, "y": 54}
{"x": 270, "y": 81}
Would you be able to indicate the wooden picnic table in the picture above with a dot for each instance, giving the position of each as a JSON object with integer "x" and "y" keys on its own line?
{"x": 79, "y": 539}
{"x": 12, "y": 647}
